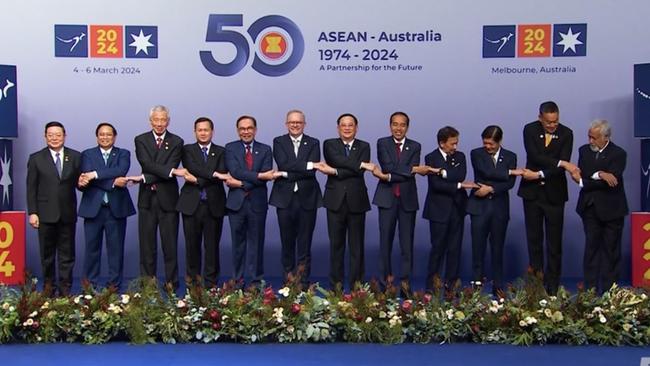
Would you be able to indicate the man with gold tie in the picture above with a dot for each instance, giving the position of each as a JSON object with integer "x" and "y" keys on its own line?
{"x": 548, "y": 145}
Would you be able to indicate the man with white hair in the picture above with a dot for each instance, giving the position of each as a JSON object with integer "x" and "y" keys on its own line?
{"x": 602, "y": 205}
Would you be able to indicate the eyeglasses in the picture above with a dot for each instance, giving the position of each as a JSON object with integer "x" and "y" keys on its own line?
{"x": 54, "y": 135}
{"x": 295, "y": 123}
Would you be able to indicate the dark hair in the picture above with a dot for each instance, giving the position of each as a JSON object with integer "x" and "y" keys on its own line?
{"x": 205, "y": 119}
{"x": 54, "y": 124}
{"x": 105, "y": 124}
{"x": 246, "y": 117}
{"x": 390, "y": 120}
{"x": 548, "y": 107}
{"x": 338, "y": 120}
{"x": 446, "y": 132}
{"x": 492, "y": 132}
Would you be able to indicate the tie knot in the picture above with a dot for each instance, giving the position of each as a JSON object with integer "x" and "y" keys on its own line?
{"x": 204, "y": 149}
{"x": 248, "y": 147}
{"x": 398, "y": 144}
{"x": 296, "y": 141}
{"x": 159, "y": 139}
{"x": 57, "y": 154}
{"x": 105, "y": 154}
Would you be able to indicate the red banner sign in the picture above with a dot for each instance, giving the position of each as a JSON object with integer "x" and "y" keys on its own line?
{"x": 12, "y": 247}
{"x": 641, "y": 249}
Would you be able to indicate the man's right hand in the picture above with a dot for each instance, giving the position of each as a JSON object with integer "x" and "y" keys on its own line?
{"x": 33, "y": 221}
{"x": 609, "y": 178}
{"x": 267, "y": 175}
{"x": 530, "y": 175}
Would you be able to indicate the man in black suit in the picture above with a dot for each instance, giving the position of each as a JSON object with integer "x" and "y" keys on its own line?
{"x": 52, "y": 176}
{"x": 202, "y": 203}
{"x": 346, "y": 198}
{"x": 296, "y": 195}
{"x": 445, "y": 206}
{"x": 495, "y": 171}
{"x": 105, "y": 204}
{"x": 250, "y": 164}
{"x": 159, "y": 152}
{"x": 548, "y": 145}
{"x": 602, "y": 205}
{"x": 397, "y": 196}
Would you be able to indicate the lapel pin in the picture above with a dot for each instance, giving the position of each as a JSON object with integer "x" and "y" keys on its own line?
{"x": 541, "y": 136}
{"x": 166, "y": 147}
{"x": 304, "y": 143}
{"x": 406, "y": 148}
{"x": 212, "y": 154}
{"x": 257, "y": 152}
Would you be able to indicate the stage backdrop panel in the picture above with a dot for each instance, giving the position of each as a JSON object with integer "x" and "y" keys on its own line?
{"x": 461, "y": 63}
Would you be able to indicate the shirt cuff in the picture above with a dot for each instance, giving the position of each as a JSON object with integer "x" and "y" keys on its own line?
{"x": 390, "y": 177}
{"x": 443, "y": 173}
{"x": 595, "y": 176}
{"x": 580, "y": 183}
{"x": 171, "y": 173}
{"x": 459, "y": 185}
{"x": 285, "y": 174}
{"x": 144, "y": 180}
{"x": 310, "y": 165}
{"x": 541, "y": 174}
{"x": 95, "y": 172}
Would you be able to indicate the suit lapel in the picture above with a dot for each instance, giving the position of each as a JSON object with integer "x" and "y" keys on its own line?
{"x": 212, "y": 155}
{"x": 302, "y": 149}
{"x": 65, "y": 164}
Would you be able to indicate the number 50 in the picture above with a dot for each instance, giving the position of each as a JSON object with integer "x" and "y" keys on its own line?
{"x": 217, "y": 33}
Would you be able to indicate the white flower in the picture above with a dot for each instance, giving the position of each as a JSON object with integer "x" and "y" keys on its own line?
{"x": 290, "y": 329}
{"x": 136, "y": 295}
{"x": 459, "y": 315}
{"x": 368, "y": 320}
{"x": 522, "y": 323}
{"x": 88, "y": 297}
{"x": 548, "y": 313}
{"x": 124, "y": 299}
{"x": 602, "y": 319}
{"x": 421, "y": 314}
{"x": 278, "y": 314}
{"x": 45, "y": 305}
{"x": 28, "y": 322}
{"x": 530, "y": 320}
{"x": 597, "y": 309}
{"x": 77, "y": 299}
{"x": 326, "y": 303}
{"x": 382, "y": 314}
{"x": 627, "y": 327}
{"x": 284, "y": 291}
{"x": 450, "y": 314}
{"x": 33, "y": 314}
{"x": 395, "y": 321}
{"x": 644, "y": 296}
{"x": 5, "y": 306}
{"x": 502, "y": 300}
{"x": 543, "y": 303}
{"x": 11, "y": 308}
{"x": 180, "y": 304}
{"x": 224, "y": 301}
{"x": 553, "y": 298}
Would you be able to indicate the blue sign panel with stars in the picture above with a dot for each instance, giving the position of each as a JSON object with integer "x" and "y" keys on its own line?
{"x": 141, "y": 41}
{"x": 8, "y": 101}
{"x": 6, "y": 175}
{"x": 569, "y": 40}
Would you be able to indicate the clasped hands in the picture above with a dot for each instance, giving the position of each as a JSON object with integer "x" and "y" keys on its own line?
{"x": 85, "y": 179}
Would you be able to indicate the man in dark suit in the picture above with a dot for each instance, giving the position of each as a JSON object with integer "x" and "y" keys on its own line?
{"x": 52, "y": 176}
{"x": 346, "y": 198}
{"x": 296, "y": 195}
{"x": 602, "y": 205}
{"x": 543, "y": 188}
{"x": 202, "y": 203}
{"x": 445, "y": 206}
{"x": 397, "y": 196}
{"x": 159, "y": 152}
{"x": 250, "y": 164}
{"x": 495, "y": 171}
{"x": 105, "y": 204}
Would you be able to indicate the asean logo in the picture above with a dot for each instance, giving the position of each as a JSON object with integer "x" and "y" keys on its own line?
{"x": 278, "y": 45}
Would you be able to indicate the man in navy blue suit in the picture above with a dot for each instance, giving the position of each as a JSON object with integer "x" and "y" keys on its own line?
{"x": 105, "y": 204}
{"x": 397, "y": 196}
{"x": 297, "y": 195}
{"x": 250, "y": 163}
{"x": 444, "y": 206}
{"x": 495, "y": 171}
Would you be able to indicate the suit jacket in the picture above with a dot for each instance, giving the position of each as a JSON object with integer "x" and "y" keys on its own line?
{"x": 486, "y": 172}
{"x": 119, "y": 200}
{"x": 610, "y": 202}
{"x": 349, "y": 183}
{"x": 400, "y": 173}
{"x": 444, "y": 192}
{"x": 253, "y": 187}
{"x": 50, "y": 197}
{"x": 156, "y": 165}
{"x": 545, "y": 159}
{"x": 190, "y": 195}
{"x": 309, "y": 191}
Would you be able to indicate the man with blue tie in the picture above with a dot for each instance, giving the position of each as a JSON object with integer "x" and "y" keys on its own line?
{"x": 296, "y": 195}
{"x": 495, "y": 171}
{"x": 444, "y": 207}
{"x": 202, "y": 203}
{"x": 105, "y": 204}
{"x": 397, "y": 197}
{"x": 52, "y": 176}
{"x": 250, "y": 163}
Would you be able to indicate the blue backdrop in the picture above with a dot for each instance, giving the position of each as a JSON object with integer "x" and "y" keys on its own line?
{"x": 461, "y": 63}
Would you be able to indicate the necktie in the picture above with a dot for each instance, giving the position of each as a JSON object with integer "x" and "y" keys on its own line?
{"x": 396, "y": 191}
{"x": 347, "y": 149}
{"x": 105, "y": 156}
{"x": 296, "y": 145}
{"x": 494, "y": 159}
{"x": 203, "y": 195}
{"x": 57, "y": 163}
{"x": 249, "y": 157}
{"x": 547, "y": 139}
{"x": 159, "y": 141}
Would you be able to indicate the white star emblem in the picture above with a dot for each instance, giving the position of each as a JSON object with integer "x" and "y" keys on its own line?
{"x": 569, "y": 40}
{"x": 141, "y": 43}
{"x": 5, "y": 179}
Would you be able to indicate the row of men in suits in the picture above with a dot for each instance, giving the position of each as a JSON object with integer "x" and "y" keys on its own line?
{"x": 246, "y": 165}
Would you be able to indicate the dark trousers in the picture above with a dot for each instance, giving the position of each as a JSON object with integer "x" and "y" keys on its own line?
{"x": 296, "y": 232}
{"x": 602, "y": 258}
{"x": 202, "y": 230}
{"x": 390, "y": 219}
{"x": 94, "y": 230}
{"x": 446, "y": 243}
{"x": 341, "y": 224}
{"x": 545, "y": 220}
{"x": 149, "y": 221}
{"x": 247, "y": 234}
{"x": 57, "y": 243}
{"x": 490, "y": 225}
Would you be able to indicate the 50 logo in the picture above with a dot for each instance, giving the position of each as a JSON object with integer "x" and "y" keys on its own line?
{"x": 278, "y": 45}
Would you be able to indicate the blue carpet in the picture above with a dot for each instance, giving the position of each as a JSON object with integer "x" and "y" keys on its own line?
{"x": 318, "y": 354}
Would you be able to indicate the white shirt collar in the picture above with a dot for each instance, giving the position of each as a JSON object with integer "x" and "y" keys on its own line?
{"x": 155, "y": 137}
{"x": 299, "y": 138}
{"x": 53, "y": 153}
